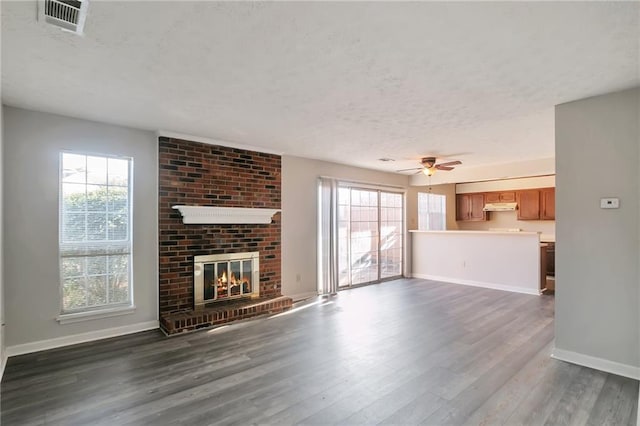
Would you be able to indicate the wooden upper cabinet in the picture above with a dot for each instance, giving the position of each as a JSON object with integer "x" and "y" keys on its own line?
{"x": 528, "y": 204}
{"x": 500, "y": 197}
{"x": 492, "y": 197}
{"x": 477, "y": 206}
{"x": 548, "y": 204}
{"x": 469, "y": 207}
{"x": 462, "y": 207}
{"x": 508, "y": 197}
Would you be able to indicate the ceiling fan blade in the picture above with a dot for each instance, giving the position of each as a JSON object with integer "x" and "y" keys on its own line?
{"x": 413, "y": 168}
{"x": 441, "y": 167}
{"x": 450, "y": 163}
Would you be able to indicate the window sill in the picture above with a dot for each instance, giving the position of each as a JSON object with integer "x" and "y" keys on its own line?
{"x": 94, "y": 315}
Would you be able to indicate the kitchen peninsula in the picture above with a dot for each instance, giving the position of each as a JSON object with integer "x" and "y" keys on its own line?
{"x": 499, "y": 260}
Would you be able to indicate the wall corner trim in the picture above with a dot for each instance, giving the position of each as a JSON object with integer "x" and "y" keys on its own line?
{"x": 74, "y": 339}
{"x": 601, "y": 364}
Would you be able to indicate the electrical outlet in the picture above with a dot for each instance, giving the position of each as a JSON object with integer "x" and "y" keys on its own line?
{"x": 609, "y": 203}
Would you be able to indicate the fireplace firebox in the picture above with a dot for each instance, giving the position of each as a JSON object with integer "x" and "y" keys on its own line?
{"x": 229, "y": 276}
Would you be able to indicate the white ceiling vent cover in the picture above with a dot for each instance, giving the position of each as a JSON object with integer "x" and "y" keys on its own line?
{"x": 68, "y": 15}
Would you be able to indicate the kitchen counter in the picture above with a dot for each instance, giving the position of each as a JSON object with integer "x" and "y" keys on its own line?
{"x": 519, "y": 233}
{"x": 509, "y": 261}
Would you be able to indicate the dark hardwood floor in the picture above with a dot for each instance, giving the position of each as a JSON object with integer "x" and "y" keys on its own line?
{"x": 402, "y": 352}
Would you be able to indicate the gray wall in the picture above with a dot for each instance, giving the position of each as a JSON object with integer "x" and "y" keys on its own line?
{"x": 32, "y": 143}
{"x": 597, "y": 278}
{"x": 2, "y": 322}
{"x": 300, "y": 211}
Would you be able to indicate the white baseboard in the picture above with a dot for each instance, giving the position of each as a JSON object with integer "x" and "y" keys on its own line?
{"x": 472, "y": 283}
{"x": 596, "y": 363}
{"x": 74, "y": 339}
{"x": 302, "y": 296}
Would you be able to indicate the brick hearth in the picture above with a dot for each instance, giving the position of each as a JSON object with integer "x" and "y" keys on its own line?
{"x": 192, "y": 173}
{"x": 223, "y": 312}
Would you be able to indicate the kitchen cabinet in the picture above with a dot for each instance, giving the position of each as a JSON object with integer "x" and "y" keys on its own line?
{"x": 469, "y": 207}
{"x": 548, "y": 204}
{"x": 537, "y": 204}
{"x": 500, "y": 197}
{"x": 528, "y": 204}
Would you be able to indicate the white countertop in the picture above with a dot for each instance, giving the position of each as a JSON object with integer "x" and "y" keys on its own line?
{"x": 521, "y": 233}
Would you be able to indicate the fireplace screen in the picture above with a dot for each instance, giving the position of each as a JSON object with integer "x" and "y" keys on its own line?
{"x": 226, "y": 276}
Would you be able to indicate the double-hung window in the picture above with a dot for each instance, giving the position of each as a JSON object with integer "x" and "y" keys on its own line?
{"x": 95, "y": 232}
{"x": 432, "y": 212}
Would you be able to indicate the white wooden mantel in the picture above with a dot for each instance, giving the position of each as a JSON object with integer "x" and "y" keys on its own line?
{"x": 209, "y": 215}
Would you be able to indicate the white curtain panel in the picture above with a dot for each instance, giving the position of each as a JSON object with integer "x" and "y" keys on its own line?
{"x": 328, "y": 236}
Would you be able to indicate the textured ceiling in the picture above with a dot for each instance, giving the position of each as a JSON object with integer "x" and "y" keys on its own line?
{"x": 345, "y": 82}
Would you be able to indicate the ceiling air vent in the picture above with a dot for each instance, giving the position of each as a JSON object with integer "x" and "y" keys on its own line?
{"x": 69, "y": 15}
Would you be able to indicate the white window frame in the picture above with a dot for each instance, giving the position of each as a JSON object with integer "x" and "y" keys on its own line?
{"x": 424, "y": 224}
{"x": 109, "y": 309}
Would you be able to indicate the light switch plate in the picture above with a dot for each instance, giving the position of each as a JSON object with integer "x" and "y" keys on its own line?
{"x": 609, "y": 203}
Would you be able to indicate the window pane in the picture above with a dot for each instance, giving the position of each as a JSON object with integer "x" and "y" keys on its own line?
{"x": 74, "y": 168}
{"x": 74, "y": 293}
{"x": 73, "y": 197}
{"x": 73, "y": 266}
{"x": 118, "y": 226}
{"x": 97, "y": 170}
{"x": 97, "y": 265}
{"x": 73, "y": 227}
{"x": 118, "y": 288}
{"x": 118, "y": 172}
{"x": 118, "y": 200}
{"x": 119, "y": 278}
{"x": 96, "y": 198}
{"x": 96, "y": 226}
{"x": 97, "y": 290}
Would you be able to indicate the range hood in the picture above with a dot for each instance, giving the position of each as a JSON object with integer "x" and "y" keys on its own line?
{"x": 499, "y": 207}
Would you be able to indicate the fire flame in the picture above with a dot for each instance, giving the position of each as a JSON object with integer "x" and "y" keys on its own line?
{"x": 232, "y": 280}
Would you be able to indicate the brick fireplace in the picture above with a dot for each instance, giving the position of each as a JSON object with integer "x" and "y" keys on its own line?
{"x": 198, "y": 174}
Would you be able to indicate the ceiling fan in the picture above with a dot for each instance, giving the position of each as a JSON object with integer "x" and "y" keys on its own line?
{"x": 429, "y": 166}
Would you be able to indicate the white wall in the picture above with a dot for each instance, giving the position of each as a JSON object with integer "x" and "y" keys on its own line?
{"x": 32, "y": 143}
{"x": 299, "y": 216}
{"x": 500, "y": 260}
{"x": 597, "y": 276}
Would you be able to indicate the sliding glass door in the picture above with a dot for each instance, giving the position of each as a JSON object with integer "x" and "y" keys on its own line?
{"x": 370, "y": 230}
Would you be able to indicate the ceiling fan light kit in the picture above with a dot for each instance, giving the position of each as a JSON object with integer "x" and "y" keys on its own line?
{"x": 429, "y": 171}
{"x": 429, "y": 166}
